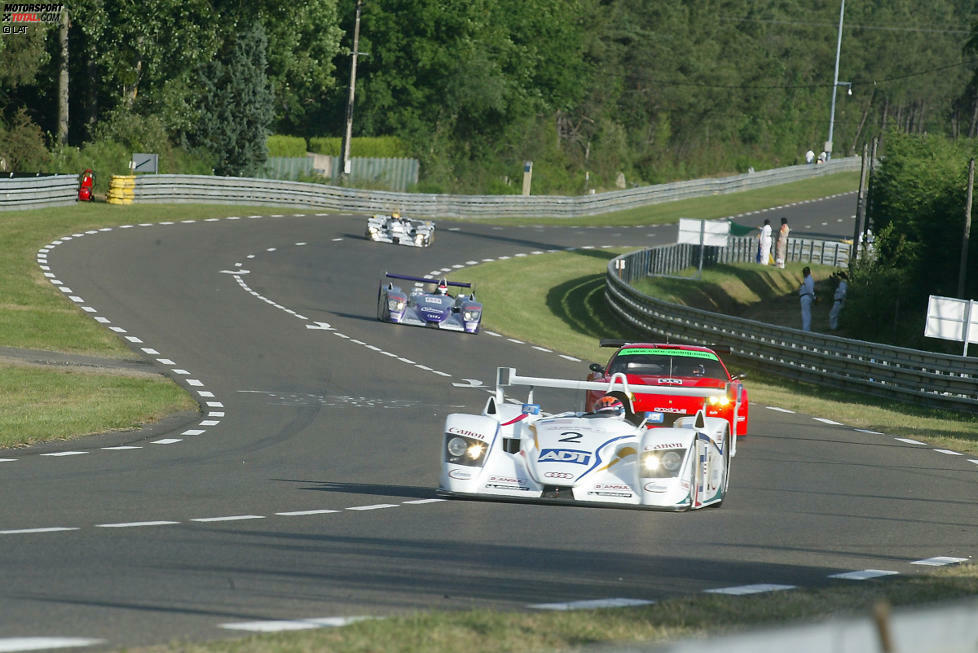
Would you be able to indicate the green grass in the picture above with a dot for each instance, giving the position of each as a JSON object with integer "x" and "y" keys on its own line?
{"x": 529, "y": 631}
{"x": 40, "y": 404}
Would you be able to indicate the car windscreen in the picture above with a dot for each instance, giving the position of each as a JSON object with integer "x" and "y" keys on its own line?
{"x": 649, "y": 361}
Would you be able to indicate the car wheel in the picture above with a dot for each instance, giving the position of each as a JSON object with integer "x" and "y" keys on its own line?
{"x": 694, "y": 463}
{"x": 380, "y": 305}
{"x": 725, "y": 481}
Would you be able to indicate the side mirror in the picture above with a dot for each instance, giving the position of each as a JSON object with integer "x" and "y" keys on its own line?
{"x": 596, "y": 367}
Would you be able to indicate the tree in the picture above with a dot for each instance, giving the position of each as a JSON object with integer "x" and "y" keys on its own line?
{"x": 235, "y": 106}
{"x": 916, "y": 208}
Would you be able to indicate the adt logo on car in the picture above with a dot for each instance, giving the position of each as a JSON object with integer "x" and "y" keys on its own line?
{"x": 565, "y": 456}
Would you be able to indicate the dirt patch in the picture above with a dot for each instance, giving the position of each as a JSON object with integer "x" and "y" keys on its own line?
{"x": 131, "y": 367}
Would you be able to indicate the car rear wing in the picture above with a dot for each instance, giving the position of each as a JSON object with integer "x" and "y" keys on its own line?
{"x": 616, "y": 343}
{"x": 405, "y": 277}
{"x": 507, "y": 376}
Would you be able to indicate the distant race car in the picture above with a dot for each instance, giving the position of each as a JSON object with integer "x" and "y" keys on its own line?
{"x": 436, "y": 308}
{"x": 400, "y": 231}
{"x": 514, "y": 452}
{"x": 673, "y": 366}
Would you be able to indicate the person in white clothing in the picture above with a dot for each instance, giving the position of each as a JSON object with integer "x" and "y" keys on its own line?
{"x": 765, "y": 239}
{"x": 839, "y": 300}
{"x": 781, "y": 245}
{"x": 809, "y": 157}
{"x": 807, "y": 294}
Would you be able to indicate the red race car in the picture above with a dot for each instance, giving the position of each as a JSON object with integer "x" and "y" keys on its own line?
{"x": 673, "y": 366}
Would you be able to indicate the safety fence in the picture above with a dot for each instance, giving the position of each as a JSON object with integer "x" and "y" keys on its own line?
{"x": 243, "y": 190}
{"x": 941, "y": 380}
{"x": 389, "y": 173}
{"x": 671, "y": 259}
{"x": 38, "y": 191}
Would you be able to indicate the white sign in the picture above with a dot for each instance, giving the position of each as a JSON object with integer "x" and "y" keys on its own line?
{"x": 952, "y": 319}
{"x": 712, "y": 233}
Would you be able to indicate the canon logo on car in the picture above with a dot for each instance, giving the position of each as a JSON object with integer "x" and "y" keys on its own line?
{"x": 471, "y": 434}
{"x": 665, "y": 445}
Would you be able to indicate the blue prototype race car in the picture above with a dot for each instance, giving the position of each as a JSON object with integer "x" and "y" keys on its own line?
{"x": 437, "y": 308}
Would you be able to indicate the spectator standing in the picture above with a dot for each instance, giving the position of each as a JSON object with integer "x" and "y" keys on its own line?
{"x": 839, "y": 300}
{"x": 807, "y": 294}
{"x": 765, "y": 242}
{"x": 781, "y": 245}
{"x": 809, "y": 157}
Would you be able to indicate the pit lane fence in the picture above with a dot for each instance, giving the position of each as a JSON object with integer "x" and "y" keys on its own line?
{"x": 34, "y": 192}
{"x": 242, "y": 190}
{"x": 907, "y": 375}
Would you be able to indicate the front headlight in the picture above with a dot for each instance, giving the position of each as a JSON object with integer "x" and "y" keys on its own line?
{"x": 395, "y": 305}
{"x": 464, "y": 451}
{"x": 662, "y": 464}
{"x": 471, "y": 316}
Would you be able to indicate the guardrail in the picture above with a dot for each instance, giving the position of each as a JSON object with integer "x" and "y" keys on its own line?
{"x": 669, "y": 259}
{"x": 941, "y": 380}
{"x": 38, "y": 192}
{"x": 243, "y": 190}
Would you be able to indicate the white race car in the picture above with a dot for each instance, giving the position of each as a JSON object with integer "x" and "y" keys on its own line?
{"x": 400, "y": 231}
{"x": 514, "y": 452}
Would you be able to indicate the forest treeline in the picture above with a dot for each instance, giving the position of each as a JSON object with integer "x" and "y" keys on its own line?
{"x": 595, "y": 92}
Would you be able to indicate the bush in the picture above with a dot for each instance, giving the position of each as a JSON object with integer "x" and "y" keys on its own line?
{"x": 135, "y": 132}
{"x": 107, "y": 158}
{"x": 22, "y": 147}
{"x": 379, "y": 147}
{"x": 279, "y": 145}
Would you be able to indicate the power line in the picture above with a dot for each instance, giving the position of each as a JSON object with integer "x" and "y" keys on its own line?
{"x": 666, "y": 82}
{"x": 882, "y": 28}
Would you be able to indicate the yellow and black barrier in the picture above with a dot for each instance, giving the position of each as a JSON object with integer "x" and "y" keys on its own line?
{"x": 121, "y": 189}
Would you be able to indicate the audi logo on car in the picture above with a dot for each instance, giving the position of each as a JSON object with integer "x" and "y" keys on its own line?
{"x": 558, "y": 475}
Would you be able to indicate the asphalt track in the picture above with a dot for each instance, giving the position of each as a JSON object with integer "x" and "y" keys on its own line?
{"x": 304, "y": 493}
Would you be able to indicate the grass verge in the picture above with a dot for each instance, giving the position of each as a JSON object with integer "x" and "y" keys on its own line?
{"x": 39, "y": 404}
{"x": 694, "y": 616}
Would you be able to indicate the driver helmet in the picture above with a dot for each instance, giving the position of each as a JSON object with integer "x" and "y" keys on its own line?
{"x": 442, "y": 288}
{"x": 609, "y": 406}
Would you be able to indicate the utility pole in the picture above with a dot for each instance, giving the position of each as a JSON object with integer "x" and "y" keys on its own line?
{"x": 860, "y": 210}
{"x": 835, "y": 82}
{"x": 962, "y": 271}
{"x": 348, "y": 134}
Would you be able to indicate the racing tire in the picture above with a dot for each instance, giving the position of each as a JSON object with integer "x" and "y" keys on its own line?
{"x": 380, "y": 306}
{"x": 692, "y": 479}
{"x": 725, "y": 483}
